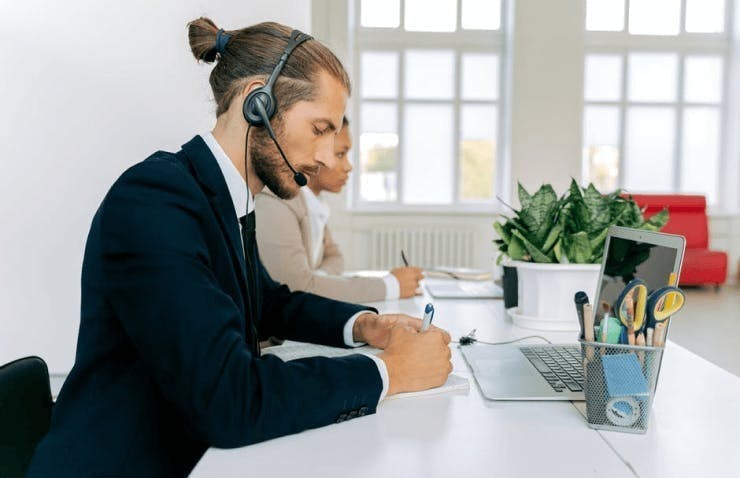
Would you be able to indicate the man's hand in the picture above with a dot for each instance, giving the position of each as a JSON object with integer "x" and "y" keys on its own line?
{"x": 416, "y": 360}
{"x": 376, "y": 329}
{"x": 408, "y": 280}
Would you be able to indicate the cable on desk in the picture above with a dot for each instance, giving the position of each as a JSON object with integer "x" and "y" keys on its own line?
{"x": 470, "y": 339}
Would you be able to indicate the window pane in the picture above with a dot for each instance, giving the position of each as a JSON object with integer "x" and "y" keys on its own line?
{"x": 649, "y": 149}
{"x": 605, "y": 15}
{"x": 603, "y": 78}
{"x": 430, "y": 15}
{"x": 654, "y": 17}
{"x": 429, "y": 74}
{"x": 378, "y": 152}
{"x": 477, "y": 152}
{"x": 379, "y": 74}
{"x": 601, "y": 146}
{"x": 427, "y": 154}
{"x": 380, "y": 13}
{"x": 481, "y": 14}
{"x": 652, "y": 77}
{"x": 379, "y": 117}
{"x": 703, "y": 80}
{"x": 705, "y": 16}
{"x": 479, "y": 76}
{"x": 700, "y": 152}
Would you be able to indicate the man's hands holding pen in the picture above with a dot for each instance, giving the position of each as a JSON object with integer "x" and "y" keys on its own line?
{"x": 415, "y": 360}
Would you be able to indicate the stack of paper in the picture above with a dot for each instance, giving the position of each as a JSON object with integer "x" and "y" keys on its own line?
{"x": 291, "y": 350}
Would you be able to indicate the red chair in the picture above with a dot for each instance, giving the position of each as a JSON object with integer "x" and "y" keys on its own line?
{"x": 688, "y": 217}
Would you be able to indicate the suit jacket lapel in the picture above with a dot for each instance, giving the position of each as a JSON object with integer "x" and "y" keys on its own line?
{"x": 209, "y": 175}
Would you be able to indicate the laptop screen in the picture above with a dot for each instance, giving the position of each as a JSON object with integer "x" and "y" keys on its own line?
{"x": 628, "y": 259}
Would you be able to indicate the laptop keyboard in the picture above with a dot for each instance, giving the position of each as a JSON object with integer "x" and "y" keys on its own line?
{"x": 560, "y": 365}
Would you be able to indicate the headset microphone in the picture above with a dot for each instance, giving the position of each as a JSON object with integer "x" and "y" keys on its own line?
{"x": 259, "y": 108}
{"x": 260, "y": 105}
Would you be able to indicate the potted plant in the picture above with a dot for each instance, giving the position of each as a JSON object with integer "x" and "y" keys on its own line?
{"x": 556, "y": 244}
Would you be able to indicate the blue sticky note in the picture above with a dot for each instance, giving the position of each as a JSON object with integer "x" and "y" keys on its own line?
{"x": 623, "y": 376}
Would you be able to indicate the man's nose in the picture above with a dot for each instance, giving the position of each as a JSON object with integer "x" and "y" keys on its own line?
{"x": 325, "y": 154}
{"x": 347, "y": 163}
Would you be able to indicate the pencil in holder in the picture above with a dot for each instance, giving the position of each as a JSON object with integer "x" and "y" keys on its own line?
{"x": 619, "y": 385}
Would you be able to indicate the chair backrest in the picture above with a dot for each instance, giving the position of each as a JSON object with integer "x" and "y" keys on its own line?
{"x": 688, "y": 215}
{"x": 25, "y": 413}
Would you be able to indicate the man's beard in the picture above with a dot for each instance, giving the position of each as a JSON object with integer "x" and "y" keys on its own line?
{"x": 270, "y": 167}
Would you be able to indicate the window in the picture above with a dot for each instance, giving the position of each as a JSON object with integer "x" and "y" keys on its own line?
{"x": 426, "y": 108}
{"x": 653, "y": 94}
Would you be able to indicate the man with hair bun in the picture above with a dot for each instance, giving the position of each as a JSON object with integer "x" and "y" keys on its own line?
{"x": 175, "y": 300}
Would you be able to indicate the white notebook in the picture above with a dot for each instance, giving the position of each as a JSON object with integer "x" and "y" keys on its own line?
{"x": 291, "y": 350}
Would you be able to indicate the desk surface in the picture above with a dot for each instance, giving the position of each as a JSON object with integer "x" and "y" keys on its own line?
{"x": 694, "y": 428}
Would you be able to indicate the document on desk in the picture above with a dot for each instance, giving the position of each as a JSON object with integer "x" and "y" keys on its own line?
{"x": 291, "y": 350}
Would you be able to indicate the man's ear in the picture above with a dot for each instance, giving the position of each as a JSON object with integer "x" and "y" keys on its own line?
{"x": 250, "y": 87}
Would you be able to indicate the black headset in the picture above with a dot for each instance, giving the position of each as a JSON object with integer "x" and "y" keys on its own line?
{"x": 261, "y": 105}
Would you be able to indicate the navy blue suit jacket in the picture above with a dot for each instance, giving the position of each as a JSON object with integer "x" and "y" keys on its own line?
{"x": 164, "y": 366}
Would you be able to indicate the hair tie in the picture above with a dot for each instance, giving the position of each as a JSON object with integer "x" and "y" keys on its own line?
{"x": 222, "y": 38}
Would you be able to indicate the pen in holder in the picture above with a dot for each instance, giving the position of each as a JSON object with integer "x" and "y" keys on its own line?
{"x": 619, "y": 385}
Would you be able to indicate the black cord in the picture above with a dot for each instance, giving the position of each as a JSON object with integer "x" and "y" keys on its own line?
{"x": 470, "y": 339}
{"x": 246, "y": 173}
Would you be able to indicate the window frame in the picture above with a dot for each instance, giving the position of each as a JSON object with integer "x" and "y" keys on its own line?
{"x": 398, "y": 40}
{"x": 622, "y": 44}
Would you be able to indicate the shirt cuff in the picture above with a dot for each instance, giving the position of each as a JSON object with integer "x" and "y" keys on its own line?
{"x": 383, "y": 371}
{"x": 392, "y": 287}
{"x": 349, "y": 342}
{"x": 349, "y": 339}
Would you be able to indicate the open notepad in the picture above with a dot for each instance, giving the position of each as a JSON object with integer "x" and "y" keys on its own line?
{"x": 291, "y": 350}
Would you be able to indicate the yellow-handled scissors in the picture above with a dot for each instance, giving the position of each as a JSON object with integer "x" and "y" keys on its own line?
{"x": 630, "y": 307}
{"x": 661, "y": 305}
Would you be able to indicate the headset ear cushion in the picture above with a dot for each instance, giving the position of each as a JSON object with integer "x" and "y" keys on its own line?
{"x": 252, "y": 112}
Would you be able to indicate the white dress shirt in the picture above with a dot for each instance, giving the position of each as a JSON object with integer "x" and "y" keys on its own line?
{"x": 240, "y": 195}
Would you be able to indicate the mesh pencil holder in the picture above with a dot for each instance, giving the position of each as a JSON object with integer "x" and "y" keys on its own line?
{"x": 619, "y": 385}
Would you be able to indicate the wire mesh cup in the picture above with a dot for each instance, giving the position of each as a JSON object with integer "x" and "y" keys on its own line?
{"x": 619, "y": 385}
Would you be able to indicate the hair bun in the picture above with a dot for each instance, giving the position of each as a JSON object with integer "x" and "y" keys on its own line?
{"x": 202, "y": 34}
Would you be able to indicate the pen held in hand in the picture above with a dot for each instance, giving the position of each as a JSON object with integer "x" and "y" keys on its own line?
{"x": 403, "y": 258}
{"x": 428, "y": 316}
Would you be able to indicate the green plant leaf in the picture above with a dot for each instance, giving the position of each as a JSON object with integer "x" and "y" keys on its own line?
{"x": 517, "y": 250}
{"x": 558, "y": 250}
{"x": 578, "y": 248}
{"x": 536, "y": 254}
{"x": 502, "y": 232}
{"x": 525, "y": 199}
{"x": 552, "y": 238}
{"x": 657, "y": 221}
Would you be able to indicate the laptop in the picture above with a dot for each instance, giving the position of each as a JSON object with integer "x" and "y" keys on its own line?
{"x": 462, "y": 289}
{"x": 554, "y": 371}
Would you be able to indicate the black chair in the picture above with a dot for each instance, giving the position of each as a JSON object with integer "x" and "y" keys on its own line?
{"x": 25, "y": 413}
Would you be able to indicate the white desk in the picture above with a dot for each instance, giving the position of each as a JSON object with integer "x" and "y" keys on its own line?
{"x": 462, "y": 434}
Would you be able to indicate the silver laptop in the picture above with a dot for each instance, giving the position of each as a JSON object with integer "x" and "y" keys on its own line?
{"x": 554, "y": 372}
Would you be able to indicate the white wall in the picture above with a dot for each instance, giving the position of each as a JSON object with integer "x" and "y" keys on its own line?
{"x": 88, "y": 88}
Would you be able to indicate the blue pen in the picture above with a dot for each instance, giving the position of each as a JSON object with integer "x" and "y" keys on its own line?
{"x": 428, "y": 316}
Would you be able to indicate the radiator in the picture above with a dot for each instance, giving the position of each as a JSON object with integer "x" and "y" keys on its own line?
{"x": 428, "y": 247}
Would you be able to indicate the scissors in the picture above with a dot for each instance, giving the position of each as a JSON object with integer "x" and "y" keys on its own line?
{"x": 661, "y": 305}
{"x": 630, "y": 307}
{"x": 641, "y": 313}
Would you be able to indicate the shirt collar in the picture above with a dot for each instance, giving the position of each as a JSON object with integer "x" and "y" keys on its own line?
{"x": 315, "y": 204}
{"x": 234, "y": 180}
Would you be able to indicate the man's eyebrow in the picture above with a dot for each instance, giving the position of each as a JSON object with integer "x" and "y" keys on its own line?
{"x": 329, "y": 123}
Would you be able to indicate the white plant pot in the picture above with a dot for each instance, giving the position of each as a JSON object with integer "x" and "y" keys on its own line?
{"x": 546, "y": 294}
